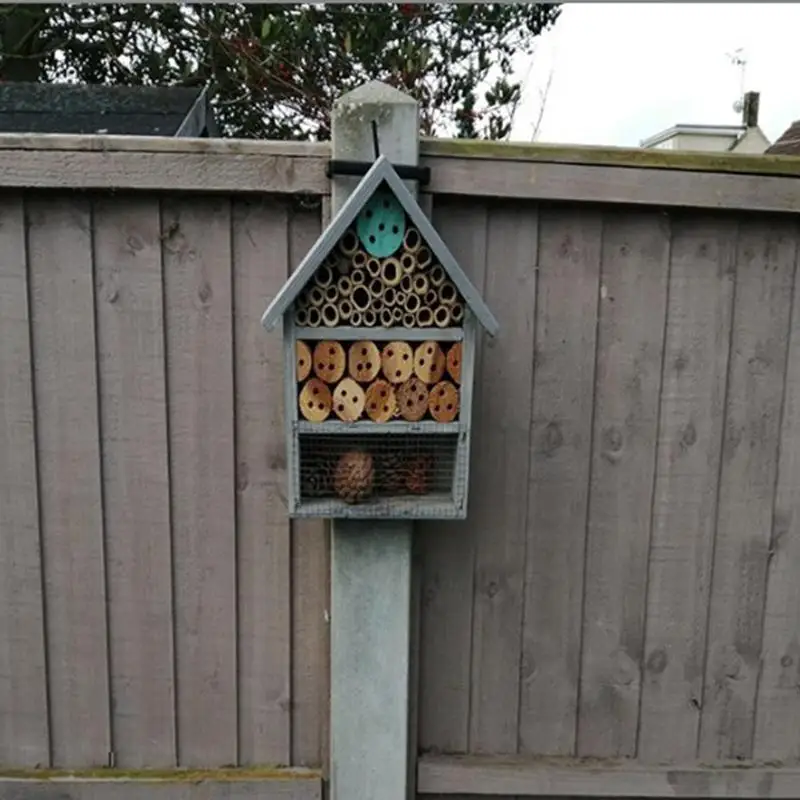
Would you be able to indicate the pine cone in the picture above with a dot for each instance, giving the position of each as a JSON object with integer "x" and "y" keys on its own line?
{"x": 354, "y": 476}
{"x": 417, "y": 474}
{"x": 391, "y": 474}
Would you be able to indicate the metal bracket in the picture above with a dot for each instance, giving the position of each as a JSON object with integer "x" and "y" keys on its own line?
{"x": 360, "y": 168}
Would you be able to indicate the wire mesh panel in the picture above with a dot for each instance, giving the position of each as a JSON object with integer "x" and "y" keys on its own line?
{"x": 408, "y": 476}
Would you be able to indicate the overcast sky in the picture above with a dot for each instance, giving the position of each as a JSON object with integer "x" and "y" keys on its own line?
{"x": 624, "y": 71}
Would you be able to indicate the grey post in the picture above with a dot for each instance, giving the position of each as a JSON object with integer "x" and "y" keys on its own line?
{"x": 371, "y": 560}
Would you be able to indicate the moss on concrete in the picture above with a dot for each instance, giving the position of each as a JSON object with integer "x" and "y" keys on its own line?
{"x": 788, "y": 166}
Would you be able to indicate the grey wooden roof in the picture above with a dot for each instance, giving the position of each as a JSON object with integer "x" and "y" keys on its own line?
{"x": 125, "y": 110}
{"x": 380, "y": 172}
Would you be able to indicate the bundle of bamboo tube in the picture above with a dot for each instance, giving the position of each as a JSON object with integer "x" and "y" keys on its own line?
{"x": 406, "y": 289}
{"x": 360, "y": 380}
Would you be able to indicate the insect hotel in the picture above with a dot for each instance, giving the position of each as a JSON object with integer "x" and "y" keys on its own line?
{"x": 380, "y": 325}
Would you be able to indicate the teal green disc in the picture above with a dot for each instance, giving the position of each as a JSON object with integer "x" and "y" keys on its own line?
{"x": 381, "y": 225}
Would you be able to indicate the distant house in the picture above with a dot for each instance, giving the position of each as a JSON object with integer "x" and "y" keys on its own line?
{"x": 745, "y": 138}
{"x": 88, "y": 109}
{"x": 788, "y": 143}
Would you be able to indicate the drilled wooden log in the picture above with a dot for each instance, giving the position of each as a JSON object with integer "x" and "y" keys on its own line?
{"x": 329, "y": 361}
{"x": 348, "y": 400}
{"x": 412, "y": 399}
{"x": 381, "y": 402}
{"x": 397, "y": 361}
{"x": 363, "y": 361}
{"x": 315, "y": 400}
{"x": 302, "y": 366}
{"x": 429, "y": 362}
{"x": 454, "y": 362}
{"x": 443, "y": 402}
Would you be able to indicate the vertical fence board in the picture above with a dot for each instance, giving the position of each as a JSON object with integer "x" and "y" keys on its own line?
{"x": 260, "y": 270}
{"x": 684, "y": 507}
{"x": 130, "y": 344}
{"x": 24, "y": 736}
{"x": 631, "y": 335}
{"x": 765, "y": 266}
{"x": 561, "y": 432}
{"x": 65, "y": 380}
{"x": 500, "y": 479}
{"x": 777, "y": 734}
{"x": 197, "y": 266}
{"x": 310, "y": 585}
{"x": 448, "y": 547}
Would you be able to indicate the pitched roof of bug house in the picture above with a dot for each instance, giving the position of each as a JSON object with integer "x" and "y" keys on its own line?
{"x": 379, "y": 174}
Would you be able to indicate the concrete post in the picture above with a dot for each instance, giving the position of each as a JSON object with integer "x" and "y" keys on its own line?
{"x": 371, "y": 561}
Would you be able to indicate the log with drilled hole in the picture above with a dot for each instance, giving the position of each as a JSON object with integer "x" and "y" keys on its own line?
{"x": 429, "y": 362}
{"x": 412, "y": 399}
{"x": 354, "y": 476}
{"x": 380, "y": 401}
{"x": 348, "y": 400}
{"x": 329, "y": 361}
{"x": 443, "y": 402}
{"x": 302, "y": 361}
{"x": 397, "y": 360}
{"x": 454, "y": 362}
{"x": 315, "y": 400}
{"x": 363, "y": 361}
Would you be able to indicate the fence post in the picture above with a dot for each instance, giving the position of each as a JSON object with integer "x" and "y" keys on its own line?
{"x": 371, "y": 560}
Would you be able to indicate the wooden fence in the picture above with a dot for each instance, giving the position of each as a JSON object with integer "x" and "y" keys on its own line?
{"x": 626, "y": 585}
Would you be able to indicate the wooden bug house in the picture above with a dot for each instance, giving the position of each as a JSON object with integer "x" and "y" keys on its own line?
{"x": 380, "y": 325}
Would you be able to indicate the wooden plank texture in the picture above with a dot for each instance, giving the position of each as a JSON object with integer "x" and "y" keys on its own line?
{"x": 777, "y": 732}
{"x": 702, "y": 270}
{"x": 130, "y": 343}
{"x": 295, "y": 788}
{"x": 260, "y": 256}
{"x": 70, "y": 493}
{"x": 448, "y": 548}
{"x": 765, "y": 269}
{"x": 503, "y": 777}
{"x": 630, "y": 344}
{"x": 24, "y": 736}
{"x": 561, "y": 433}
{"x": 310, "y": 585}
{"x": 197, "y": 266}
{"x": 500, "y": 479}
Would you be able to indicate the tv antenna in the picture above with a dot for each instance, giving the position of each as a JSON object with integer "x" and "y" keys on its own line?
{"x": 738, "y": 59}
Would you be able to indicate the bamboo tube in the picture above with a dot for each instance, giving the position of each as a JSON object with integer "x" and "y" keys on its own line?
{"x": 369, "y": 317}
{"x": 348, "y": 244}
{"x": 316, "y": 296}
{"x": 386, "y": 317}
{"x": 408, "y": 263}
{"x": 332, "y": 293}
{"x": 424, "y": 317}
{"x": 391, "y": 271}
{"x": 412, "y": 241}
{"x": 448, "y": 293}
{"x": 456, "y": 312}
{"x": 421, "y": 284}
{"x": 360, "y": 298}
{"x": 302, "y": 301}
{"x": 344, "y": 285}
{"x": 357, "y": 277}
{"x": 406, "y": 284}
{"x": 355, "y": 318}
{"x": 301, "y": 317}
{"x": 376, "y": 287}
{"x": 342, "y": 266}
{"x": 330, "y": 315}
{"x": 389, "y": 296}
{"x": 345, "y": 308}
{"x": 438, "y": 275}
{"x": 377, "y": 304}
{"x": 373, "y": 267}
{"x": 424, "y": 258}
{"x": 359, "y": 259}
{"x": 397, "y": 314}
{"x": 409, "y": 320}
{"x": 400, "y": 298}
{"x": 323, "y": 276}
{"x": 431, "y": 298}
{"x": 412, "y": 303}
{"x": 442, "y": 316}
{"x": 314, "y": 317}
